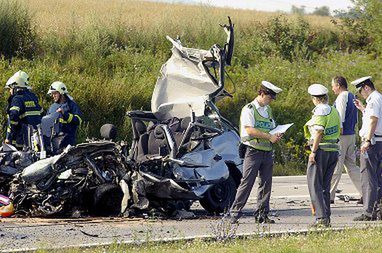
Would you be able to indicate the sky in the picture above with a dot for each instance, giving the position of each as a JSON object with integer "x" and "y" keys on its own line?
{"x": 271, "y": 5}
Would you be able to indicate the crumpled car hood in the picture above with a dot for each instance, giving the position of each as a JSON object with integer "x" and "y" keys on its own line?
{"x": 183, "y": 83}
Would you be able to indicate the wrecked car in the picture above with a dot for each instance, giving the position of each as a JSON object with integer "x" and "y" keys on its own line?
{"x": 12, "y": 162}
{"x": 184, "y": 150}
{"x": 82, "y": 180}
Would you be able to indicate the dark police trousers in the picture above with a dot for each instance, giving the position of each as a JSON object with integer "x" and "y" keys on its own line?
{"x": 371, "y": 178}
{"x": 256, "y": 162}
{"x": 319, "y": 177}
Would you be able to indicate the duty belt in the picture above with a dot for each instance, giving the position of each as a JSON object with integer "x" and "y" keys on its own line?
{"x": 328, "y": 145}
{"x": 332, "y": 144}
{"x": 256, "y": 143}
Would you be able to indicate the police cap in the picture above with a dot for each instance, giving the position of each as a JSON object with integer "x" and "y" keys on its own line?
{"x": 317, "y": 90}
{"x": 272, "y": 89}
{"x": 360, "y": 81}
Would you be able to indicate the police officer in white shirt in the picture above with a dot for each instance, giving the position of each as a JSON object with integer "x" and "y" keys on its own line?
{"x": 256, "y": 122}
{"x": 371, "y": 147}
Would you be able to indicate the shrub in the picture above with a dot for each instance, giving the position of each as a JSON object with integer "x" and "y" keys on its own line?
{"x": 361, "y": 26}
{"x": 17, "y": 33}
{"x": 295, "y": 40}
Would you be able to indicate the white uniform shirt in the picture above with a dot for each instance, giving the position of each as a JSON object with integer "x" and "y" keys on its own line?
{"x": 247, "y": 117}
{"x": 341, "y": 104}
{"x": 373, "y": 108}
{"x": 319, "y": 110}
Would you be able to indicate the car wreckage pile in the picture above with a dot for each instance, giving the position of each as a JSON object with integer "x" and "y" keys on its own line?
{"x": 182, "y": 151}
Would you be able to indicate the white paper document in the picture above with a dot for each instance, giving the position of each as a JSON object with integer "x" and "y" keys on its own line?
{"x": 280, "y": 129}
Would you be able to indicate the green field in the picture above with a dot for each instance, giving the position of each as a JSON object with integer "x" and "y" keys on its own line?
{"x": 109, "y": 54}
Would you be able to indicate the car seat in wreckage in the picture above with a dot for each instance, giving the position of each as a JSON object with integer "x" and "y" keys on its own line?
{"x": 187, "y": 89}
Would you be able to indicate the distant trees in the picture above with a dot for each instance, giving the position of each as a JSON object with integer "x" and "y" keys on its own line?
{"x": 362, "y": 24}
{"x": 298, "y": 10}
{"x": 321, "y": 11}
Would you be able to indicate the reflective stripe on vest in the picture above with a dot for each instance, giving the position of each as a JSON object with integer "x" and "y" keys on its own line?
{"x": 79, "y": 118}
{"x": 14, "y": 108}
{"x": 30, "y": 113}
{"x": 329, "y": 144}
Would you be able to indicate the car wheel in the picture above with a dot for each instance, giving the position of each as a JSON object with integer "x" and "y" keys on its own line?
{"x": 219, "y": 198}
{"x": 107, "y": 200}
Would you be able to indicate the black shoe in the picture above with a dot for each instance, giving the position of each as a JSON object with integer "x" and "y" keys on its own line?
{"x": 364, "y": 217}
{"x": 321, "y": 223}
{"x": 360, "y": 201}
{"x": 233, "y": 218}
{"x": 264, "y": 219}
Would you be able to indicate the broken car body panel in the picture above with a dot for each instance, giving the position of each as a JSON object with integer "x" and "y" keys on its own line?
{"x": 83, "y": 179}
{"x": 184, "y": 146}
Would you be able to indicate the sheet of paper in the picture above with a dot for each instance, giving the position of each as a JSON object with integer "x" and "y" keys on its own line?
{"x": 280, "y": 129}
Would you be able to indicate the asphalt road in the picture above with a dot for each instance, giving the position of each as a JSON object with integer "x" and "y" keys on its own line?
{"x": 289, "y": 202}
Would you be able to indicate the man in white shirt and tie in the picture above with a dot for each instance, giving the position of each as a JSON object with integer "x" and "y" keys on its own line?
{"x": 371, "y": 148}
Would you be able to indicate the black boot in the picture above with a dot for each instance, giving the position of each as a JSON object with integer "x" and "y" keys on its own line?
{"x": 321, "y": 223}
{"x": 364, "y": 217}
{"x": 264, "y": 219}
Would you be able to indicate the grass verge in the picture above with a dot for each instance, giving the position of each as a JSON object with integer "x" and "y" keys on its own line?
{"x": 352, "y": 240}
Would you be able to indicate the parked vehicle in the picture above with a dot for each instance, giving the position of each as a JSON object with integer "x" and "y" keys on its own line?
{"x": 184, "y": 149}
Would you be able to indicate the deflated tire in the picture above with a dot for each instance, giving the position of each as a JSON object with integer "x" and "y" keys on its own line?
{"x": 219, "y": 198}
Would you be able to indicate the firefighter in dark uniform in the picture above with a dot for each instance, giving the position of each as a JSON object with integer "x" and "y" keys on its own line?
{"x": 70, "y": 117}
{"x": 23, "y": 112}
{"x": 256, "y": 121}
{"x": 322, "y": 132}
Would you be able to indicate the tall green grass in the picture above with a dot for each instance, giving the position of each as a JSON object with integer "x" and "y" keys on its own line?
{"x": 17, "y": 33}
